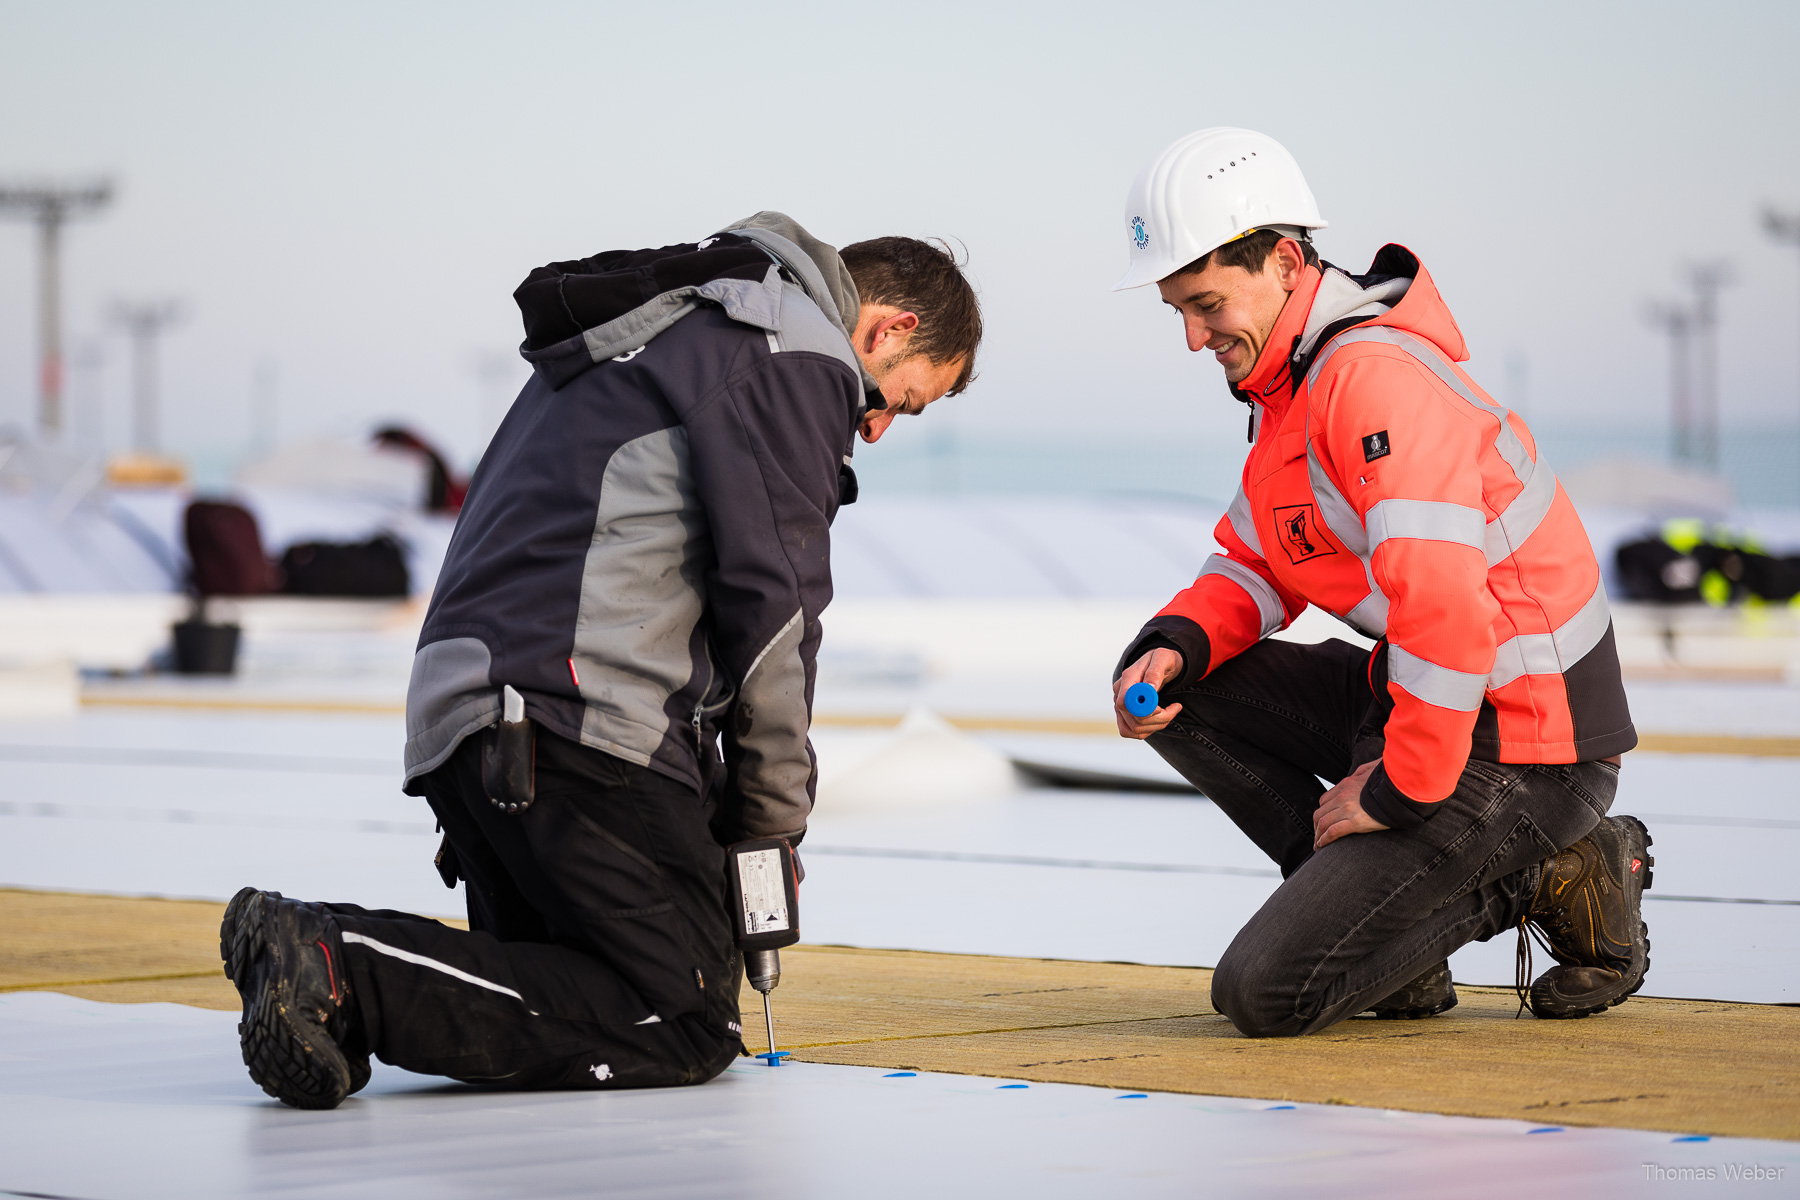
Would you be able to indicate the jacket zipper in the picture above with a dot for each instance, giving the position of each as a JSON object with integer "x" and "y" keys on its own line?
{"x": 702, "y": 709}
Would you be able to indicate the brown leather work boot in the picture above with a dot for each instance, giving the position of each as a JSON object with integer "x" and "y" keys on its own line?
{"x": 1427, "y": 996}
{"x": 1588, "y": 905}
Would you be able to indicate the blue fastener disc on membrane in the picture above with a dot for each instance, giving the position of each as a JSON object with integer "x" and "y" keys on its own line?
{"x": 1141, "y": 700}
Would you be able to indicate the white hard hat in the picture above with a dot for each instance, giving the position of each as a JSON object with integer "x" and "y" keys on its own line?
{"x": 1207, "y": 189}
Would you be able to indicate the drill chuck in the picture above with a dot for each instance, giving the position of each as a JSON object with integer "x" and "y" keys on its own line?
{"x": 763, "y": 969}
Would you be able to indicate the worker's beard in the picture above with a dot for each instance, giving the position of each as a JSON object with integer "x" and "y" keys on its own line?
{"x": 882, "y": 367}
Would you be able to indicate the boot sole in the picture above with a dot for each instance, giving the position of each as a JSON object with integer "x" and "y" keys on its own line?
{"x": 293, "y": 1060}
{"x": 1415, "y": 1014}
{"x": 1542, "y": 1002}
{"x": 230, "y": 942}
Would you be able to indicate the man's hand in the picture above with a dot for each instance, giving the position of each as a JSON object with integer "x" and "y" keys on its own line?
{"x": 1340, "y": 810}
{"x": 1155, "y": 668}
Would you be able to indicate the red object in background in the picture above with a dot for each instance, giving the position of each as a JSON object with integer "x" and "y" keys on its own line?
{"x": 444, "y": 492}
{"x": 225, "y": 551}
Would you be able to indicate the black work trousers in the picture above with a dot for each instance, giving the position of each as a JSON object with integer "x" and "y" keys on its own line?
{"x": 1353, "y": 922}
{"x": 600, "y": 950}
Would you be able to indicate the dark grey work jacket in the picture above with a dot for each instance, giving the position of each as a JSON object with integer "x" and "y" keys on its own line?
{"x": 645, "y": 548}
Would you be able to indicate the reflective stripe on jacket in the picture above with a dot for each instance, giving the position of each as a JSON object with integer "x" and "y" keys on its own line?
{"x": 1388, "y": 489}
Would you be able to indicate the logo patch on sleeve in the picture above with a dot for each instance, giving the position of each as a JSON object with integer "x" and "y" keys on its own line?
{"x": 1376, "y": 445}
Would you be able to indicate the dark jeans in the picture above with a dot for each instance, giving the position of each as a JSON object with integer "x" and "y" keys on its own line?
{"x": 600, "y": 952}
{"x": 1352, "y": 923}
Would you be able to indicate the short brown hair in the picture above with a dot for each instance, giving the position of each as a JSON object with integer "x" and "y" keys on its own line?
{"x": 1249, "y": 252}
{"x": 925, "y": 279}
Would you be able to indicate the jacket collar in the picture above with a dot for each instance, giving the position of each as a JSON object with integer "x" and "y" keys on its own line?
{"x": 818, "y": 270}
{"x": 1395, "y": 291}
{"x": 1269, "y": 383}
{"x": 1342, "y": 298}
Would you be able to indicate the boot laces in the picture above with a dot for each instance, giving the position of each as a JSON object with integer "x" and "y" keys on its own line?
{"x": 1522, "y": 961}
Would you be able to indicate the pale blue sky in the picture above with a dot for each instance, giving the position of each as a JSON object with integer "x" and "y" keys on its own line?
{"x": 353, "y": 190}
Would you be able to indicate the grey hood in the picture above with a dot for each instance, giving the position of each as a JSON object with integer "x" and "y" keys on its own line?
{"x": 814, "y": 265}
{"x": 587, "y": 311}
{"x": 1342, "y": 296}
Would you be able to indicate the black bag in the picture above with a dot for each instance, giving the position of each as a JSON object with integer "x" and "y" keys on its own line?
{"x": 225, "y": 551}
{"x": 1653, "y": 570}
{"x": 376, "y": 567}
{"x": 1773, "y": 577}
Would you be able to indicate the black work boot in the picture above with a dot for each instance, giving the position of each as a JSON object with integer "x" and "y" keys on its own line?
{"x": 287, "y": 960}
{"x": 1427, "y": 996}
{"x": 1588, "y": 904}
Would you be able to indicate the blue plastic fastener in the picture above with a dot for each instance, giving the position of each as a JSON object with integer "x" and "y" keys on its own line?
{"x": 1278, "y": 1107}
{"x": 1692, "y": 1137}
{"x": 901, "y": 1075}
{"x": 1132, "y": 1096}
{"x": 773, "y": 1057}
{"x": 1141, "y": 700}
{"x": 1547, "y": 1129}
{"x": 1004, "y": 1086}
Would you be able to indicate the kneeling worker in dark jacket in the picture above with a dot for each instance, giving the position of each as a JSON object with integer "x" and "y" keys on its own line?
{"x": 637, "y": 574}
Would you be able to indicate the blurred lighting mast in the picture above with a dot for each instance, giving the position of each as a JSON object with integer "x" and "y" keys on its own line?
{"x": 1678, "y": 323}
{"x": 1783, "y": 227}
{"x": 1706, "y": 279}
{"x": 144, "y": 322}
{"x": 50, "y": 207}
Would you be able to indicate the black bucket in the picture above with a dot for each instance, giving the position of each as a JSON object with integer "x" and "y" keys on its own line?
{"x": 203, "y": 649}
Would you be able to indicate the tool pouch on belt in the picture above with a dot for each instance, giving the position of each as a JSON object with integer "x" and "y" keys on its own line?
{"x": 449, "y": 866}
{"x": 509, "y": 757}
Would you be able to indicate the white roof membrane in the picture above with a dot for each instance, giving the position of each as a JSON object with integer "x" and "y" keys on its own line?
{"x": 152, "y": 1101}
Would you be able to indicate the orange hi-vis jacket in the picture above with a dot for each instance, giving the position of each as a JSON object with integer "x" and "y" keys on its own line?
{"x": 1388, "y": 489}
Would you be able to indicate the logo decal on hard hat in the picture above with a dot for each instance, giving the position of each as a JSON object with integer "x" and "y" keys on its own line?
{"x": 1140, "y": 233}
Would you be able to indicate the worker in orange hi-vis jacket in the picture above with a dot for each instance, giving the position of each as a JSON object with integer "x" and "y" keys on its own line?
{"x": 1475, "y": 751}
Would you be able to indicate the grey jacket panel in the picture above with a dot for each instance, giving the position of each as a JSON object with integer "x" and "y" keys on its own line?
{"x": 757, "y": 304}
{"x": 773, "y": 706}
{"x": 641, "y": 587}
{"x": 450, "y": 695}
{"x": 803, "y": 326}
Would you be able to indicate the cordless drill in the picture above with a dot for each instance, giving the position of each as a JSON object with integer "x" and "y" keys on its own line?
{"x": 765, "y": 909}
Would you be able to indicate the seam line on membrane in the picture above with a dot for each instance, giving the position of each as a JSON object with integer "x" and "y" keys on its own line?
{"x": 1022, "y": 860}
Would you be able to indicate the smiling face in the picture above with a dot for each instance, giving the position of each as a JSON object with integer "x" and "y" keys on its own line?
{"x": 1231, "y": 311}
